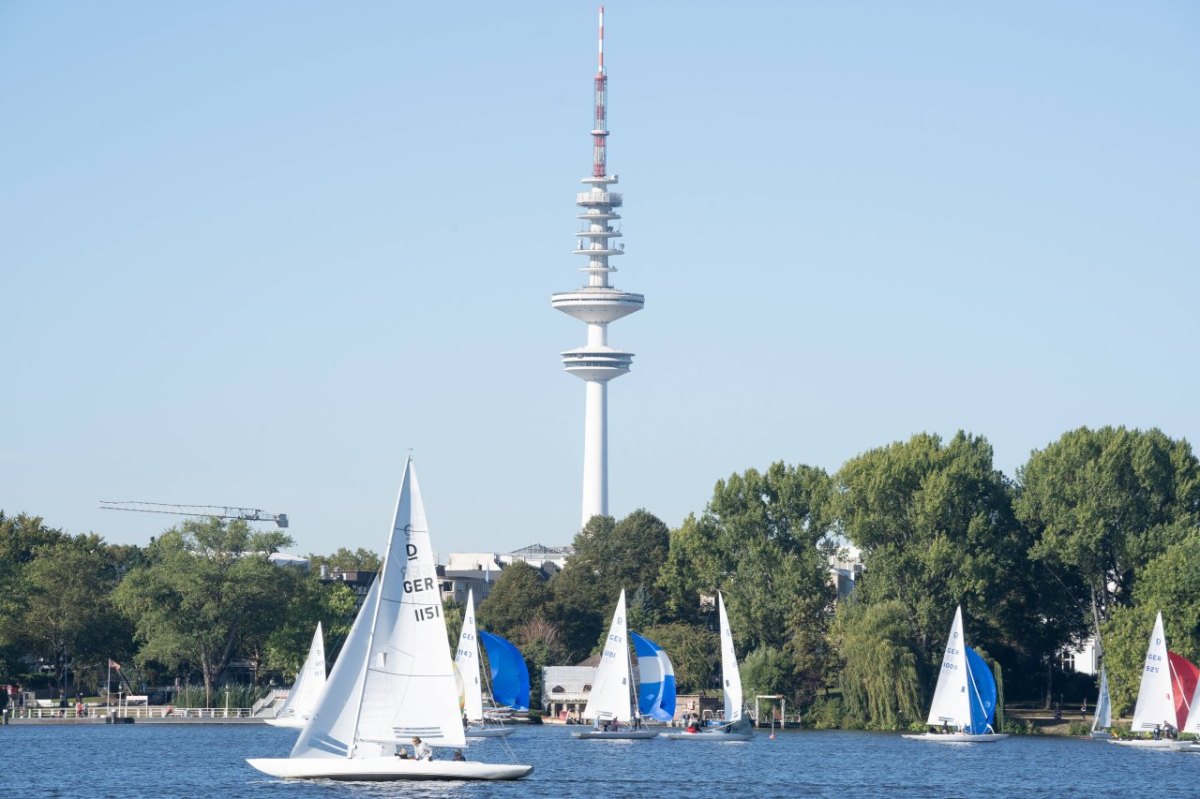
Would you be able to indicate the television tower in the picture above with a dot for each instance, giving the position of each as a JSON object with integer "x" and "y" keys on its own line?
{"x": 597, "y": 304}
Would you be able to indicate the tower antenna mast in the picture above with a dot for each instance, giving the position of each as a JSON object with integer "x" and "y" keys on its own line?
{"x": 597, "y": 303}
{"x": 600, "y": 126}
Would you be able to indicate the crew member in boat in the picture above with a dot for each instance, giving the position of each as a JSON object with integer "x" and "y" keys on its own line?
{"x": 421, "y": 750}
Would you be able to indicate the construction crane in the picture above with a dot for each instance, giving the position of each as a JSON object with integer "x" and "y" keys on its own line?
{"x": 216, "y": 511}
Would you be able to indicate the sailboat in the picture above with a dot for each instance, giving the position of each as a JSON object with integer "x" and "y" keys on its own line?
{"x": 609, "y": 705}
{"x": 735, "y": 726}
{"x": 466, "y": 660}
{"x": 1156, "y": 708}
{"x": 964, "y": 701}
{"x": 1103, "y": 720}
{"x": 394, "y": 679}
{"x": 310, "y": 681}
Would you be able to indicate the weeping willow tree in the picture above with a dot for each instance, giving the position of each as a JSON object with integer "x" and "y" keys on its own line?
{"x": 881, "y": 680}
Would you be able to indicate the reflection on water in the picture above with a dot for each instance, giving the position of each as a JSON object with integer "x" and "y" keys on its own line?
{"x": 208, "y": 760}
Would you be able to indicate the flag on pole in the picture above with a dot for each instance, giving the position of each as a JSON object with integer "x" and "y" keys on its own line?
{"x": 112, "y": 664}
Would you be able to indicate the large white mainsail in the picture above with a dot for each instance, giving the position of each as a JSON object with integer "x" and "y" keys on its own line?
{"x": 466, "y": 660}
{"x": 394, "y": 678}
{"x": 610, "y": 691}
{"x": 951, "y": 701}
{"x": 731, "y": 678}
{"x": 310, "y": 681}
{"x": 1156, "y": 694}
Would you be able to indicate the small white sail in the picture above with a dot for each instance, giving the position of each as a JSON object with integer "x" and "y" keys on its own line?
{"x": 466, "y": 660}
{"x": 310, "y": 681}
{"x": 1103, "y": 720}
{"x": 394, "y": 678}
{"x": 731, "y": 678}
{"x": 951, "y": 701}
{"x": 1193, "y": 720}
{"x": 1156, "y": 695}
{"x": 610, "y": 691}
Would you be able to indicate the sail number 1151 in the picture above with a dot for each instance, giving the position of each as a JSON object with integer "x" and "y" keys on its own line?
{"x": 427, "y": 612}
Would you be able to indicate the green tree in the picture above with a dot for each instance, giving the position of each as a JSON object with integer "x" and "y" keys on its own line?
{"x": 936, "y": 529}
{"x": 520, "y": 595}
{"x": 609, "y": 556}
{"x": 764, "y": 540}
{"x": 65, "y": 613}
{"x": 883, "y": 668}
{"x": 345, "y": 560}
{"x": 1101, "y": 504}
{"x": 766, "y": 671}
{"x": 207, "y": 594}
{"x": 333, "y": 604}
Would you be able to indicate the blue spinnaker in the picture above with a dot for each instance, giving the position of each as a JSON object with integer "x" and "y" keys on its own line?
{"x": 656, "y": 688}
{"x": 982, "y": 687}
{"x": 510, "y": 675}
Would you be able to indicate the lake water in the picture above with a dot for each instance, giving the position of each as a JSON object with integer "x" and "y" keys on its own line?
{"x": 159, "y": 760}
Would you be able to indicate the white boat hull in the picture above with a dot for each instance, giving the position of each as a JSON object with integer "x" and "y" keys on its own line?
{"x": 1185, "y": 746}
{"x": 380, "y": 769}
{"x": 1143, "y": 743}
{"x": 291, "y": 723}
{"x": 958, "y": 737}
{"x": 708, "y": 735}
{"x": 489, "y": 732}
{"x": 617, "y": 735}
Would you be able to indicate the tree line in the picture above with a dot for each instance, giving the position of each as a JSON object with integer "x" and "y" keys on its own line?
{"x": 1094, "y": 534}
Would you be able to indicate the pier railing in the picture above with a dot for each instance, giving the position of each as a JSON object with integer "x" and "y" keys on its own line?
{"x": 155, "y": 712}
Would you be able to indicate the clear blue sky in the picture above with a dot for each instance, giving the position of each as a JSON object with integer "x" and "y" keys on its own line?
{"x": 251, "y": 253}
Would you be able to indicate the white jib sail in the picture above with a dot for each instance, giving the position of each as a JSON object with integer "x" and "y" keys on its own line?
{"x": 466, "y": 659}
{"x": 1156, "y": 695}
{"x": 394, "y": 678}
{"x": 951, "y": 704}
{"x": 610, "y": 690}
{"x": 310, "y": 681}
{"x": 1192, "y": 724}
{"x": 1103, "y": 718}
{"x": 731, "y": 678}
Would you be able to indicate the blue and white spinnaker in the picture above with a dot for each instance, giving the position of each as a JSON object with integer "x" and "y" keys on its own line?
{"x": 656, "y": 689}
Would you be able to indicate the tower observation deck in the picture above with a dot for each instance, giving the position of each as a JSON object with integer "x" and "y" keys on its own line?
{"x": 597, "y": 303}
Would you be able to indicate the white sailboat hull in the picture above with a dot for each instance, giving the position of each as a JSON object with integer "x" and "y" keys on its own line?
{"x": 1143, "y": 743}
{"x": 958, "y": 737}
{"x": 709, "y": 736}
{"x": 1186, "y": 746}
{"x": 381, "y": 769}
{"x": 291, "y": 722}
{"x": 489, "y": 732}
{"x": 617, "y": 735}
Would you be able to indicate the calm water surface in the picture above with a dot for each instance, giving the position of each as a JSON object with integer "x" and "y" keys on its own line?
{"x": 208, "y": 761}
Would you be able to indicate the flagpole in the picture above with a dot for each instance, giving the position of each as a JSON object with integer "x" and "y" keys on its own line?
{"x": 108, "y": 688}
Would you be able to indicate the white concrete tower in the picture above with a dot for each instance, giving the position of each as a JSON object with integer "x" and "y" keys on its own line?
{"x": 597, "y": 304}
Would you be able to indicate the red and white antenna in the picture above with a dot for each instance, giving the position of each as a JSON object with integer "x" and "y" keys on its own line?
{"x": 600, "y": 126}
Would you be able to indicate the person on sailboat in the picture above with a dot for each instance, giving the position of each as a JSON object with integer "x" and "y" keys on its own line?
{"x": 421, "y": 750}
